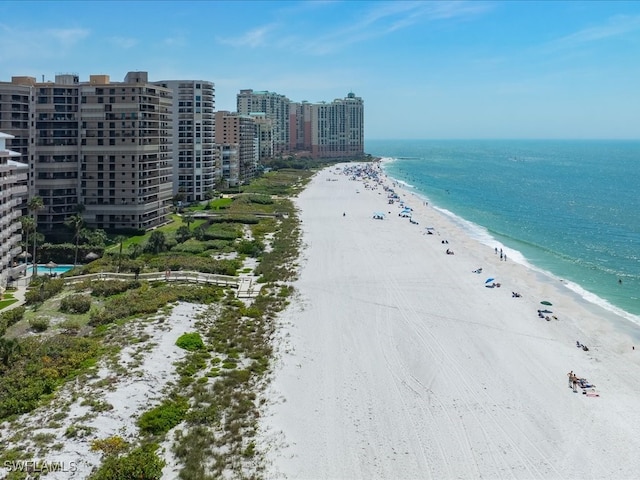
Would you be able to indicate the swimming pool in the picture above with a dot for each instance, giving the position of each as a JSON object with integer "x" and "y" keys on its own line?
{"x": 44, "y": 270}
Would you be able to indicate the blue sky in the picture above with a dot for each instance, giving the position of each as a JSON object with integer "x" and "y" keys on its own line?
{"x": 477, "y": 69}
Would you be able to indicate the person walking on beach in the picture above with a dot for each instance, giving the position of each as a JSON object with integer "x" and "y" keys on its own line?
{"x": 571, "y": 376}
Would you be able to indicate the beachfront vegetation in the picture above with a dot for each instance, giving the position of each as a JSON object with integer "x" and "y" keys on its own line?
{"x": 65, "y": 330}
{"x": 190, "y": 342}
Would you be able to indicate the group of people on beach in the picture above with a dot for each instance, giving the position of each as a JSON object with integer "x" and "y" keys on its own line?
{"x": 588, "y": 389}
{"x": 503, "y": 255}
{"x": 583, "y": 347}
{"x": 541, "y": 314}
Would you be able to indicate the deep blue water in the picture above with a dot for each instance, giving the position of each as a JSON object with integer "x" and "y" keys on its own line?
{"x": 569, "y": 208}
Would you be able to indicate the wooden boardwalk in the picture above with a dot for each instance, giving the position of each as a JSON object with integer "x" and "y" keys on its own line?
{"x": 247, "y": 286}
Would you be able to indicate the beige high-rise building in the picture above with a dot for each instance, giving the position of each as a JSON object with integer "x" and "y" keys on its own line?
{"x": 193, "y": 145}
{"x": 316, "y": 130}
{"x": 100, "y": 146}
{"x": 264, "y": 133}
{"x": 275, "y": 107}
{"x": 237, "y": 136}
{"x": 13, "y": 191}
{"x": 300, "y": 127}
{"x": 337, "y": 128}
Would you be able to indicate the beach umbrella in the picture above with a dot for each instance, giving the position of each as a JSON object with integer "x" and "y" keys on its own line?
{"x": 489, "y": 280}
{"x": 545, "y": 302}
{"x": 92, "y": 256}
{"x": 24, "y": 254}
{"x": 51, "y": 265}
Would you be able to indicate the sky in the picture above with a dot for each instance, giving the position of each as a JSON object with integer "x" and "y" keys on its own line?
{"x": 425, "y": 70}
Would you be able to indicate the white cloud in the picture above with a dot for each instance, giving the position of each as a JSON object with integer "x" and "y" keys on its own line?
{"x": 67, "y": 37}
{"x": 124, "y": 42}
{"x": 175, "y": 41}
{"x": 25, "y": 44}
{"x": 253, "y": 38}
{"x": 387, "y": 18}
{"x": 616, "y": 26}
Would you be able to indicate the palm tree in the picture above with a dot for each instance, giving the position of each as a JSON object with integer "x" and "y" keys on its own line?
{"x": 134, "y": 250}
{"x": 120, "y": 239}
{"x": 76, "y": 223}
{"x": 27, "y": 228}
{"x": 188, "y": 219}
{"x": 156, "y": 242}
{"x": 183, "y": 233}
{"x": 34, "y": 205}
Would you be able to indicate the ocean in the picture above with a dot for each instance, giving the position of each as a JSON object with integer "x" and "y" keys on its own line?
{"x": 568, "y": 209}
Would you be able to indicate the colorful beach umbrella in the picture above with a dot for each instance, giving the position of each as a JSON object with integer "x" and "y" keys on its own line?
{"x": 489, "y": 280}
{"x": 545, "y": 302}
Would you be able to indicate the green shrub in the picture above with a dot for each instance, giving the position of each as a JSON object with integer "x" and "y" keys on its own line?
{"x": 45, "y": 362}
{"x": 217, "y": 244}
{"x": 42, "y": 289}
{"x": 190, "y": 246}
{"x": 39, "y": 324}
{"x": 147, "y": 300}
{"x": 11, "y": 317}
{"x": 75, "y": 304}
{"x": 261, "y": 199}
{"x": 108, "y": 288}
{"x": 221, "y": 232}
{"x": 250, "y": 247}
{"x": 164, "y": 417}
{"x": 110, "y": 445}
{"x": 142, "y": 464}
{"x": 190, "y": 342}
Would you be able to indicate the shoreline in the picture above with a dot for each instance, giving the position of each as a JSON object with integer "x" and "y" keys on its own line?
{"x": 482, "y": 235}
{"x": 397, "y": 362}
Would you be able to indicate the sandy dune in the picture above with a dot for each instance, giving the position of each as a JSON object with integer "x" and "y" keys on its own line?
{"x": 398, "y": 363}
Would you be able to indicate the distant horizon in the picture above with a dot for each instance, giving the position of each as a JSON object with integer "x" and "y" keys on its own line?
{"x": 504, "y": 139}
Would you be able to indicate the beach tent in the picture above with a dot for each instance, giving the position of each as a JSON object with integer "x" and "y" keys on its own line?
{"x": 378, "y": 215}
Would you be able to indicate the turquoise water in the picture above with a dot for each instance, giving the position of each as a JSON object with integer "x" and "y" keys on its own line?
{"x": 43, "y": 269}
{"x": 568, "y": 208}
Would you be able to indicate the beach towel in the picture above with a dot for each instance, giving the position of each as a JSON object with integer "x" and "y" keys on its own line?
{"x": 592, "y": 394}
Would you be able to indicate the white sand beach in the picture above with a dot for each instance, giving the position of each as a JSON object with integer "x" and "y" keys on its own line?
{"x": 397, "y": 362}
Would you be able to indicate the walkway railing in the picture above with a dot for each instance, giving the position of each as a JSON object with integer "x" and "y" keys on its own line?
{"x": 246, "y": 285}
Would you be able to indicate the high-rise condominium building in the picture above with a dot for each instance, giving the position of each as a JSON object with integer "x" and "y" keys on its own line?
{"x": 275, "y": 107}
{"x": 194, "y": 152}
{"x": 318, "y": 130}
{"x": 264, "y": 133}
{"x": 337, "y": 128}
{"x": 13, "y": 191}
{"x": 237, "y": 137}
{"x": 99, "y": 144}
{"x": 300, "y": 128}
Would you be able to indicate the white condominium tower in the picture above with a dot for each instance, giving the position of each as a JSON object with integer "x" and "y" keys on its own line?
{"x": 194, "y": 152}
{"x": 13, "y": 191}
